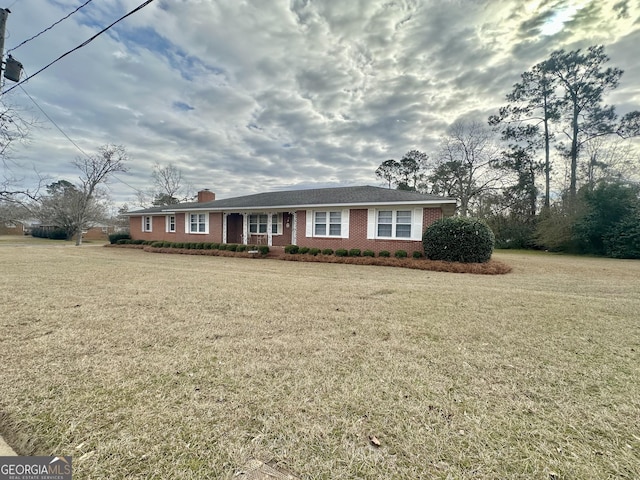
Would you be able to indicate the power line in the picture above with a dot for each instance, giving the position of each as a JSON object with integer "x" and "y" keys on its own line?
{"x": 86, "y": 42}
{"x": 70, "y": 140}
{"x": 53, "y": 122}
{"x": 48, "y": 28}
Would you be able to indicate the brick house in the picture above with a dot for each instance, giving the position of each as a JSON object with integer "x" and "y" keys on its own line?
{"x": 364, "y": 217}
{"x": 12, "y": 228}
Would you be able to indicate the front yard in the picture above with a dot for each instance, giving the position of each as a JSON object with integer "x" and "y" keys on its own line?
{"x": 171, "y": 366}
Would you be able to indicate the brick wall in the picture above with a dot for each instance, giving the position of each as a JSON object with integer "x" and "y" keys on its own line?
{"x": 159, "y": 229}
{"x": 357, "y": 232}
{"x": 358, "y": 220}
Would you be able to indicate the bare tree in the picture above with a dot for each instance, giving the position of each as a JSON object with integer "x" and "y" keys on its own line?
{"x": 169, "y": 184}
{"x": 94, "y": 171}
{"x": 13, "y": 194}
{"x": 463, "y": 166}
{"x": 609, "y": 159}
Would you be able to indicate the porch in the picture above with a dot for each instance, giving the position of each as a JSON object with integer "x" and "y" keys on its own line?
{"x": 259, "y": 228}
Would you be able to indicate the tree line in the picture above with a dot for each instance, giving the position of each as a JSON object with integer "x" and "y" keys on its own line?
{"x": 553, "y": 168}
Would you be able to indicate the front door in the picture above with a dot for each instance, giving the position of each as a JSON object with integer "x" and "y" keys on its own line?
{"x": 234, "y": 228}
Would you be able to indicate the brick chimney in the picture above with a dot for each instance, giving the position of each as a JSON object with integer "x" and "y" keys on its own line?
{"x": 206, "y": 195}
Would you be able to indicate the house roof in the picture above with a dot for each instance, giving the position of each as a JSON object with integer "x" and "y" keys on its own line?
{"x": 321, "y": 197}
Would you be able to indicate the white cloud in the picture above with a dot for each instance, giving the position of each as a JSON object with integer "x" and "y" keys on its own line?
{"x": 251, "y": 96}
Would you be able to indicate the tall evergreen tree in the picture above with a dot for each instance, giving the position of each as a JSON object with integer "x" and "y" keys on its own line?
{"x": 583, "y": 81}
{"x": 532, "y": 108}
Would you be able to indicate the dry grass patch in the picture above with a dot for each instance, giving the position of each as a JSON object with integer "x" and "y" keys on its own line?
{"x": 173, "y": 366}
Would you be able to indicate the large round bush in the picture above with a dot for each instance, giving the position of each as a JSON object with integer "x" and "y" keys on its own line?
{"x": 458, "y": 239}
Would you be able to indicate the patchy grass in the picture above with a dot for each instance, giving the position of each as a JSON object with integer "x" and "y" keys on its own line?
{"x": 176, "y": 366}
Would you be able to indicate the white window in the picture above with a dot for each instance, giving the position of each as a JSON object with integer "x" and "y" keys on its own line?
{"x": 395, "y": 224}
{"x": 327, "y": 224}
{"x": 171, "y": 223}
{"x": 147, "y": 224}
{"x": 258, "y": 223}
{"x": 276, "y": 224}
{"x": 197, "y": 223}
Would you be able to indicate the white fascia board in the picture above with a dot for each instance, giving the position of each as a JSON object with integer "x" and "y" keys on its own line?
{"x": 287, "y": 208}
{"x": 149, "y": 214}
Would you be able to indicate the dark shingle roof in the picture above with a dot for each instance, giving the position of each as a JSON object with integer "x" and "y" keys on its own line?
{"x": 365, "y": 195}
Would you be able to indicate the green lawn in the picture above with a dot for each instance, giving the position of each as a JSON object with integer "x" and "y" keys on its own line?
{"x": 146, "y": 365}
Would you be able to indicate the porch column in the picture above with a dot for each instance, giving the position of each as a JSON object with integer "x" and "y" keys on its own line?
{"x": 269, "y": 228}
{"x": 294, "y": 227}
{"x": 224, "y": 227}
{"x": 245, "y": 229}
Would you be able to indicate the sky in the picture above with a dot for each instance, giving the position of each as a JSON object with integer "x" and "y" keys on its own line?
{"x": 249, "y": 96}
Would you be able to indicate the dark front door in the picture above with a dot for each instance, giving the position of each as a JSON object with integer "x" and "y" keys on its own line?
{"x": 234, "y": 228}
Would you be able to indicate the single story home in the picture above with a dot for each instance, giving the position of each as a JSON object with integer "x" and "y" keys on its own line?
{"x": 12, "y": 228}
{"x": 365, "y": 217}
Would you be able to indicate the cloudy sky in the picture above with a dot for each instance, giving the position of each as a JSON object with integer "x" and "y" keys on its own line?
{"x": 248, "y": 96}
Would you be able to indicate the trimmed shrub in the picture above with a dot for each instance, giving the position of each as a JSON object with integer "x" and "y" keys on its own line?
{"x": 166, "y": 244}
{"x": 341, "y": 252}
{"x": 314, "y": 251}
{"x": 241, "y": 248}
{"x": 137, "y": 242}
{"x": 400, "y": 254}
{"x": 263, "y": 249}
{"x": 458, "y": 239}
{"x": 157, "y": 244}
{"x": 417, "y": 254}
{"x": 200, "y": 246}
{"x": 114, "y": 237}
{"x": 291, "y": 249}
{"x": 384, "y": 253}
{"x": 123, "y": 241}
{"x": 327, "y": 251}
{"x": 222, "y": 246}
{"x": 303, "y": 250}
{"x": 178, "y": 245}
{"x": 355, "y": 252}
{"x": 232, "y": 247}
{"x": 368, "y": 253}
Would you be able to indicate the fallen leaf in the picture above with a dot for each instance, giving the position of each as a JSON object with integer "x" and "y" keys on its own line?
{"x": 374, "y": 440}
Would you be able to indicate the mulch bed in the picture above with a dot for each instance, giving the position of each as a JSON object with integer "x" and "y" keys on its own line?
{"x": 492, "y": 267}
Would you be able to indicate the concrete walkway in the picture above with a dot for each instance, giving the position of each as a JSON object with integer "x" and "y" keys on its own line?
{"x": 5, "y": 450}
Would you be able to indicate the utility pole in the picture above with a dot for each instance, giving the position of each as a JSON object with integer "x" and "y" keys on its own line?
{"x": 13, "y": 67}
{"x": 4, "y": 13}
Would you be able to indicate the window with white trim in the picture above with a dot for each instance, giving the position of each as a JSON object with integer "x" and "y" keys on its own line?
{"x": 171, "y": 223}
{"x": 258, "y": 223}
{"x": 394, "y": 223}
{"x": 198, "y": 223}
{"x": 276, "y": 224}
{"x": 327, "y": 224}
{"x": 147, "y": 223}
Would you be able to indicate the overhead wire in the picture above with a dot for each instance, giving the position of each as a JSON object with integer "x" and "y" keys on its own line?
{"x": 86, "y": 42}
{"x": 71, "y": 140}
{"x": 48, "y": 28}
